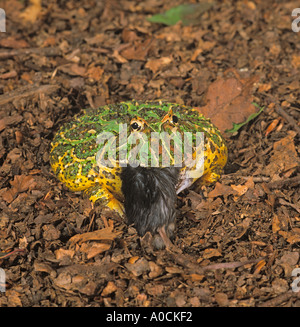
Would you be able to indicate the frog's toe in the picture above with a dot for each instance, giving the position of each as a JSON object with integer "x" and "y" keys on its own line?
{"x": 117, "y": 206}
{"x": 211, "y": 178}
{"x": 103, "y": 197}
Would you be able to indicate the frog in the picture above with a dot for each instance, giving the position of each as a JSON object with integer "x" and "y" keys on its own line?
{"x": 90, "y": 154}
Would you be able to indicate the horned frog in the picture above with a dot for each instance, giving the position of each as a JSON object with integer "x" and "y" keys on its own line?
{"x": 148, "y": 193}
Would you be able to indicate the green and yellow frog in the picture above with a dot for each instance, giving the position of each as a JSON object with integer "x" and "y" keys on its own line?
{"x": 92, "y": 154}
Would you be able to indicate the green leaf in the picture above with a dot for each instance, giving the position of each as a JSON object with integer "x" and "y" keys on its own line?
{"x": 236, "y": 127}
{"x": 189, "y": 14}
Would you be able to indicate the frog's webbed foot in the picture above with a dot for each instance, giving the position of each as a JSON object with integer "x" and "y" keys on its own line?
{"x": 117, "y": 206}
{"x": 100, "y": 195}
{"x": 210, "y": 178}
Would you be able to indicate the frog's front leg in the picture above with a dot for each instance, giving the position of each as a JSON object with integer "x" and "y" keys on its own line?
{"x": 100, "y": 195}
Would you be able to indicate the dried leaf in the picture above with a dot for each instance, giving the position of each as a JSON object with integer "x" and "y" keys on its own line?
{"x": 174, "y": 270}
{"x": 155, "y": 290}
{"x": 11, "y": 42}
{"x": 296, "y": 61}
{"x": 9, "y": 74}
{"x": 89, "y": 289}
{"x": 19, "y": 137}
{"x": 222, "y": 299}
{"x": 290, "y": 237}
{"x": 129, "y": 36}
{"x": 106, "y": 234}
{"x": 63, "y": 280}
{"x": 155, "y": 270}
{"x": 14, "y": 298}
{"x": 295, "y": 206}
{"x": 44, "y": 267}
{"x": 8, "y": 195}
{"x": 272, "y": 126}
{"x": 195, "y": 302}
{"x": 221, "y": 190}
{"x": 284, "y": 157}
{"x": 210, "y": 253}
{"x": 109, "y": 288}
{"x": 202, "y": 46}
{"x": 293, "y": 238}
{"x": 95, "y": 73}
{"x": 32, "y": 12}
{"x": 138, "y": 51}
{"x": 21, "y": 183}
{"x": 264, "y": 87}
{"x": 259, "y": 266}
{"x": 138, "y": 268}
{"x": 73, "y": 70}
{"x": 194, "y": 277}
{"x": 275, "y": 224}
{"x": 156, "y": 64}
{"x": 95, "y": 249}
{"x": 290, "y": 258}
{"x": 236, "y": 127}
{"x": 61, "y": 253}
{"x": 180, "y": 300}
{"x": 116, "y": 55}
{"x": 229, "y": 101}
{"x": 50, "y": 233}
{"x": 10, "y": 120}
{"x": 133, "y": 259}
{"x": 280, "y": 285}
{"x": 241, "y": 189}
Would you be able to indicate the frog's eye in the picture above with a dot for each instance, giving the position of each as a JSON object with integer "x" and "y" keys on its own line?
{"x": 136, "y": 125}
{"x": 175, "y": 119}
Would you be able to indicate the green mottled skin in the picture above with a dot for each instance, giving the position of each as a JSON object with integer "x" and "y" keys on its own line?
{"x": 74, "y": 147}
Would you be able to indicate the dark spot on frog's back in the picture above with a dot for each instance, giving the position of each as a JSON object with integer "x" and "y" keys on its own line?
{"x": 212, "y": 147}
{"x": 117, "y": 172}
{"x": 59, "y": 151}
{"x": 86, "y": 168}
{"x": 67, "y": 160}
{"x": 108, "y": 175}
{"x": 215, "y": 159}
{"x": 111, "y": 184}
{"x": 71, "y": 171}
{"x": 86, "y": 149}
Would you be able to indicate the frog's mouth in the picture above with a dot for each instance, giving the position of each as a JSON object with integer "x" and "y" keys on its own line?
{"x": 150, "y": 200}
